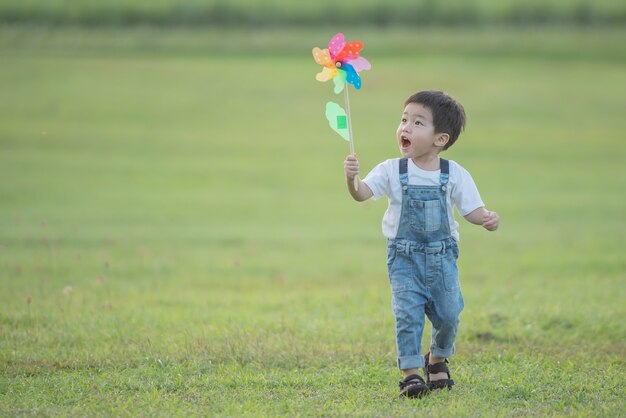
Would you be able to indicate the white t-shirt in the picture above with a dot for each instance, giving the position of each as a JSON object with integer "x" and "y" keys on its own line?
{"x": 384, "y": 180}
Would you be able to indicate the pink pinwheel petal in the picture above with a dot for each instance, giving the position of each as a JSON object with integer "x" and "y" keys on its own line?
{"x": 359, "y": 63}
{"x": 336, "y": 44}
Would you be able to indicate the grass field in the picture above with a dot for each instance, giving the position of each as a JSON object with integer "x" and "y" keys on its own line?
{"x": 176, "y": 237}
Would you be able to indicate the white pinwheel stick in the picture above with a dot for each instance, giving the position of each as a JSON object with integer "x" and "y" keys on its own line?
{"x": 351, "y": 140}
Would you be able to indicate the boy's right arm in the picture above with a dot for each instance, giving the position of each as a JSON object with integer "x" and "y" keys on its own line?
{"x": 351, "y": 169}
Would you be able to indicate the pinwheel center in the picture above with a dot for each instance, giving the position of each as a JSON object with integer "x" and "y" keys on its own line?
{"x": 338, "y": 64}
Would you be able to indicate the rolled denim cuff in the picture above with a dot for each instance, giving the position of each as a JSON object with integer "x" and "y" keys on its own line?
{"x": 441, "y": 353}
{"x": 410, "y": 362}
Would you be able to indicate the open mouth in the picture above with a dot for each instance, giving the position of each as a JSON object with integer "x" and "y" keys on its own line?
{"x": 404, "y": 142}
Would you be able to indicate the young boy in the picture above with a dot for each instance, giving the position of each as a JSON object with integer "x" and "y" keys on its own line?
{"x": 422, "y": 234}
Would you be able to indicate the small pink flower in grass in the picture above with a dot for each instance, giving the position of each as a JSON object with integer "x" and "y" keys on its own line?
{"x": 67, "y": 290}
{"x": 106, "y": 264}
{"x": 77, "y": 256}
{"x": 236, "y": 263}
{"x": 101, "y": 280}
{"x": 107, "y": 305}
{"x": 18, "y": 269}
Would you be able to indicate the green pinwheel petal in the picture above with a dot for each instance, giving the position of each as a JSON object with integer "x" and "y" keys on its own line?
{"x": 340, "y": 81}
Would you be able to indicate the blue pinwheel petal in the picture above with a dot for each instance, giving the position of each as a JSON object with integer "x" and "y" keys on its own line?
{"x": 351, "y": 75}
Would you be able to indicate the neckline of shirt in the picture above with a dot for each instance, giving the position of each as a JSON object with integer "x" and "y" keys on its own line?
{"x": 422, "y": 171}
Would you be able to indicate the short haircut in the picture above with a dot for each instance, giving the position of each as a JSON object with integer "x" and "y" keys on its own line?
{"x": 448, "y": 114}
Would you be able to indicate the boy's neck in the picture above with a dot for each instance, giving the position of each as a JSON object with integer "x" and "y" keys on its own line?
{"x": 428, "y": 162}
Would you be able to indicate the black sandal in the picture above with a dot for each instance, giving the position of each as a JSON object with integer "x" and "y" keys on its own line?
{"x": 413, "y": 386}
{"x": 437, "y": 368}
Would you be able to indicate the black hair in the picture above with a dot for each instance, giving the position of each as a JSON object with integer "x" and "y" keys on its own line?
{"x": 448, "y": 114}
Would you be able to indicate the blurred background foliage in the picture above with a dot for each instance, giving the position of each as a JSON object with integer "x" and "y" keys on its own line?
{"x": 311, "y": 13}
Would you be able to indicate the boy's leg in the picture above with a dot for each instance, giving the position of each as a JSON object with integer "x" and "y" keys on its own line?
{"x": 444, "y": 315}
{"x": 444, "y": 309}
{"x": 408, "y": 310}
{"x": 443, "y": 312}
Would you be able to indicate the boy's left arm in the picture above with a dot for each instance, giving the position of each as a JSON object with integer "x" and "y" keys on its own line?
{"x": 487, "y": 219}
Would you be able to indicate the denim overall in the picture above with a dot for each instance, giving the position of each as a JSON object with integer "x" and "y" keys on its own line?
{"x": 421, "y": 261}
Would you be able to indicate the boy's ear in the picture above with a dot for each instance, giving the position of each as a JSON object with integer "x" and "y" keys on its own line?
{"x": 442, "y": 139}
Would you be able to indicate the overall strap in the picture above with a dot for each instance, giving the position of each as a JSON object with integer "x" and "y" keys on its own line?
{"x": 445, "y": 171}
{"x": 404, "y": 176}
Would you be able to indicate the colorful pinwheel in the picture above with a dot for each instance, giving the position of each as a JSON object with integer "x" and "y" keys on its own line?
{"x": 341, "y": 62}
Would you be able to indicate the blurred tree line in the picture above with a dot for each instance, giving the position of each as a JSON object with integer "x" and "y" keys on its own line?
{"x": 312, "y": 13}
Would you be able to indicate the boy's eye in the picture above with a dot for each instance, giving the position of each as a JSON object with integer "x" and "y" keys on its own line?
{"x": 417, "y": 122}
{"x": 403, "y": 119}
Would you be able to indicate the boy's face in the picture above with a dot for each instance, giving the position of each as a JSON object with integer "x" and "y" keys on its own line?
{"x": 416, "y": 134}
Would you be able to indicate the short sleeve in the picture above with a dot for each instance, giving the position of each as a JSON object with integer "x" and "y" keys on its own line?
{"x": 378, "y": 180}
{"x": 465, "y": 195}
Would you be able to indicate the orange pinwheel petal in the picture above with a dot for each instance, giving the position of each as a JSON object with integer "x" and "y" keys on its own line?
{"x": 322, "y": 57}
{"x": 351, "y": 49}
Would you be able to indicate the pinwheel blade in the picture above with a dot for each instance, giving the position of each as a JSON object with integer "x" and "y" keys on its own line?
{"x": 337, "y": 119}
{"x": 322, "y": 57}
{"x": 340, "y": 81}
{"x": 336, "y": 44}
{"x": 326, "y": 74}
{"x": 351, "y": 76}
{"x": 359, "y": 63}
{"x": 350, "y": 49}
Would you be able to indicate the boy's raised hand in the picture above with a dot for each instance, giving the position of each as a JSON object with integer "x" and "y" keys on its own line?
{"x": 491, "y": 221}
{"x": 351, "y": 166}
{"x": 358, "y": 190}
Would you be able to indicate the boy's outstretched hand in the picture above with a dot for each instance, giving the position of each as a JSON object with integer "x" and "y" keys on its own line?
{"x": 491, "y": 221}
{"x": 351, "y": 169}
{"x": 351, "y": 166}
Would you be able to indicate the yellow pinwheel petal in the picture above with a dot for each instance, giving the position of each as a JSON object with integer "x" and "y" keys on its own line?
{"x": 322, "y": 57}
{"x": 326, "y": 74}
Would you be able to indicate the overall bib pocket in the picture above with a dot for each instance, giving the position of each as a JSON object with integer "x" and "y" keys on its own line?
{"x": 425, "y": 215}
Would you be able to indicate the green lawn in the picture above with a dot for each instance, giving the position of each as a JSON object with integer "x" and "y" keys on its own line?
{"x": 177, "y": 213}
